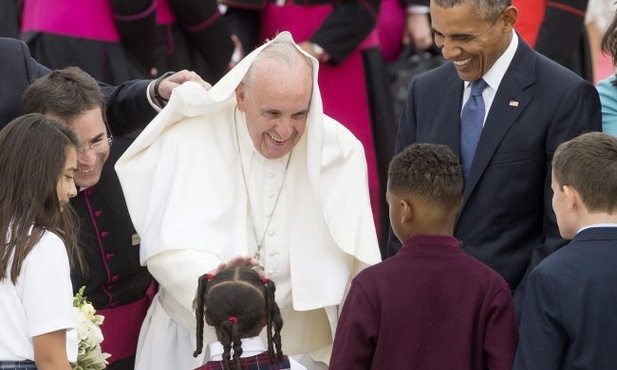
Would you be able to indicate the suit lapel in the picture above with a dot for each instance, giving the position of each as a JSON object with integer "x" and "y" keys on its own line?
{"x": 510, "y": 101}
{"x": 450, "y": 112}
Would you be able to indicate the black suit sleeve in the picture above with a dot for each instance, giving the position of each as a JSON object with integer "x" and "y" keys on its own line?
{"x": 543, "y": 336}
{"x": 128, "y": 108}
{"x": 18, "y": 71}
{"x": 406, "y": 135}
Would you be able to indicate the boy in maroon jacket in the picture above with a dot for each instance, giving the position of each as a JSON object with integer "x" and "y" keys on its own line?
{"x": 431, "y": 306}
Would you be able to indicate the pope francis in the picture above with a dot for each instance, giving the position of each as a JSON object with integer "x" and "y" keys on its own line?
{"x": 253, "y": 168}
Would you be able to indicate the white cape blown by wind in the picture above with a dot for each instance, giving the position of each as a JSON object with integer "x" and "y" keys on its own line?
{"x": 183, "y": 189}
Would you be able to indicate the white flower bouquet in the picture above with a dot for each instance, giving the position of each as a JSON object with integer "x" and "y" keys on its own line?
{"x": 89, "y": 356}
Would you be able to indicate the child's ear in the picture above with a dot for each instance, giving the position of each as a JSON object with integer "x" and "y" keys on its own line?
{"x": 573, "y": 197}
{"x": 208, "y": 320}
{"x": 407, "y": 210}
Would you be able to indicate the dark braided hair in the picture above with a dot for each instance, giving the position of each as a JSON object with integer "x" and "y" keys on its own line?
{"x": 274, "y": 321}
{"x": 238, "y": 302}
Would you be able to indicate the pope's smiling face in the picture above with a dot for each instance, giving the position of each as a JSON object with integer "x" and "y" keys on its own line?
{"x": 275, "y": 99}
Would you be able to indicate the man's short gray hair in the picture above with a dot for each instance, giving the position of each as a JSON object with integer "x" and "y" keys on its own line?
{"x": 486, "y": 9}
{"x": 284, "y": 51}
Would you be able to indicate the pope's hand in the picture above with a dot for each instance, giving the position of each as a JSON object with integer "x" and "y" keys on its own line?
{"x": 236, "y": 261}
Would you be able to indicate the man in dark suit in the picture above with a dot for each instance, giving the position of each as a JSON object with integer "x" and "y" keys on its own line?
{"x": 568, "y": 319}
{"x": 128, "y": 104}
{"x": 531, "y": 105}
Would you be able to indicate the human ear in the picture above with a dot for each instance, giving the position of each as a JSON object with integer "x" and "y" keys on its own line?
{"x": 241, "y": 97}
{"x": 573, "y": 197}
{"x": 407, "y": 211}
{"x": 509, "y": 17}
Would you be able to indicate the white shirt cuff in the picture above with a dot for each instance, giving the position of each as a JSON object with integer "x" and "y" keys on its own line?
{"x": 156, "y": 107}
{"x": 415, "y": 9}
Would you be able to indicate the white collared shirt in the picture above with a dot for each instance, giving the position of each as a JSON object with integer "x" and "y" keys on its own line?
{"x": 493, "y": 76}
{"x": 250, "y": 347}
{"x": 591, "y": 226}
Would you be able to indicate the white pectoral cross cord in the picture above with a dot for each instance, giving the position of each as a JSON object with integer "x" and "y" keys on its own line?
{"x": 259, "y": 241}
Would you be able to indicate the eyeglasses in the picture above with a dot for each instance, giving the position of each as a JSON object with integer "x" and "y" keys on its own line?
{"x": 97, "y": 145}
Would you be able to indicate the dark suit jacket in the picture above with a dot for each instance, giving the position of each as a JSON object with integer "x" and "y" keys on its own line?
{"x": 568, "y": 320}
{"x": 507, "y": 210}
{"x": 127, "y": 104}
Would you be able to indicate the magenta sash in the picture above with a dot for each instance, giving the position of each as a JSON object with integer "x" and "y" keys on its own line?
{"x": 92, "y": 19}
{"x": 343, "y": 87}
{"x": 122, "y": 324}
{"x": 390, "y": 27}
{"x": 163, "y": 13}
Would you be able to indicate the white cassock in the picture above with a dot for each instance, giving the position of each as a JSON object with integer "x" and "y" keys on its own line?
{"x": 183, "y": 184}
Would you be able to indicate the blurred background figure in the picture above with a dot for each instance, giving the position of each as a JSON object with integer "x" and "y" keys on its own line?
{"x": 607, "y": 87}
{"x": 176, "y": 34}
{"x": 598, "y": 17}
{"x": 403, "y": 22}
{"x": 117, "y": 40}
{"x": 78, "y": 33}
{"x": 208, "y": 34}
{"x": 9, "y": 18}
{"x": 406, "y": 39}
{"x": 530, "y": 16}
{"x": 556, "y": 29}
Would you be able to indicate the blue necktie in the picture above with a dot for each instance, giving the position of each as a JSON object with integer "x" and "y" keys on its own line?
{"x": 472, "y": 120}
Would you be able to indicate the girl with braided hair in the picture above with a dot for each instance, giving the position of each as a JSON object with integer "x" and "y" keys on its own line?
{"x": 238, "y": 302}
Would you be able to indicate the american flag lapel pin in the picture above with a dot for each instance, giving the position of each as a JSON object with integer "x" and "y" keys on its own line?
{"x": 514, "y": 103}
